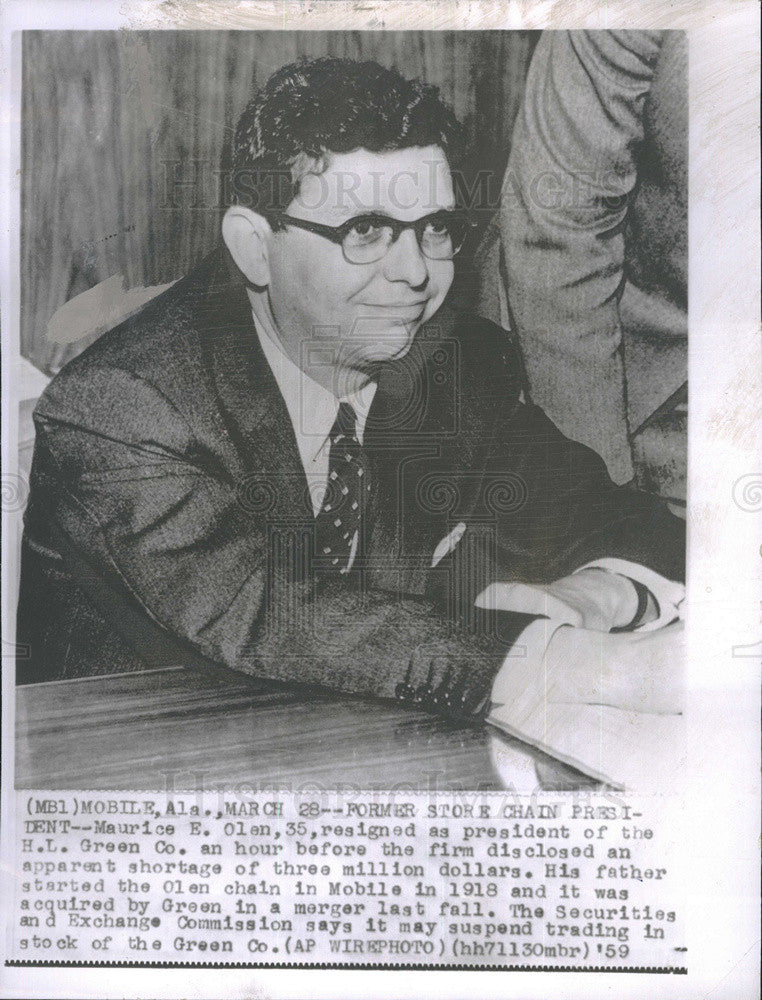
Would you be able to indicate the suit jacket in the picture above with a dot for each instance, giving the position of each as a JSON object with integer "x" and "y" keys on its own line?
{"x": 170, "y": 522}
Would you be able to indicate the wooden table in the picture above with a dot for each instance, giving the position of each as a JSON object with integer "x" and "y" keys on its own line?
{"x": 182, "y": 728}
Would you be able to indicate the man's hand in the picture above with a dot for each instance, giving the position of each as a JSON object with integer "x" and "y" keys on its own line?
{"x": 633, "y": 671}
{"x": 591, "y": 599}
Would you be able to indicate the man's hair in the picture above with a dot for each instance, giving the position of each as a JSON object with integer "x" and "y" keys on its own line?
{"x": 312, "y": 108}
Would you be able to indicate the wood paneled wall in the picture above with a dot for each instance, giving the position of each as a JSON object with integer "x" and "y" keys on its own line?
{"x": 123, "y": 134}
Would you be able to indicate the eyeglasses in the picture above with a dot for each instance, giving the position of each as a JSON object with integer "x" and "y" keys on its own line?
{"x": 366, "y": 238}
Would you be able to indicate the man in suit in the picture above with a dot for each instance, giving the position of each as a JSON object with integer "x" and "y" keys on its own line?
{"x": 302, "y": 464}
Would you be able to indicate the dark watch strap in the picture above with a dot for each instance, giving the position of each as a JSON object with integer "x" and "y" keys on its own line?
{"x": 642, "y": 593}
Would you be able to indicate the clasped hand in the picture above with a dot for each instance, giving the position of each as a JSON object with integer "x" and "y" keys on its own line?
{"x": 590, "y": 598}
{"x": 586, "y": 663}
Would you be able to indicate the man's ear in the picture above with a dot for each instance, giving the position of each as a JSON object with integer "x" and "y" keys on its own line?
{"x": 247, "y": 236}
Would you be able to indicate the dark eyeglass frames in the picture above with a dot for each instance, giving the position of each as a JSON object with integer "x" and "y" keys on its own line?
{"x": 366, "y": 238}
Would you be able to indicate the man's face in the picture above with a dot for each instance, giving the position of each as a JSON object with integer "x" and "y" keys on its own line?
{"x": 372, "y": 309}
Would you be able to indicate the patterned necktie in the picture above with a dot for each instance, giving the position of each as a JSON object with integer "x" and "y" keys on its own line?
{"x": 340, "y": 517}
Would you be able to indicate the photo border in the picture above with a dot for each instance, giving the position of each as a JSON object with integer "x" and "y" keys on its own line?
{"x": 725, "y": 484}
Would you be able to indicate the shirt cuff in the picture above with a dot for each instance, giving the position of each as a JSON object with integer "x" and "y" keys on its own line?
{"x": 519, "y": 672}
{"x": 668, "y": 594}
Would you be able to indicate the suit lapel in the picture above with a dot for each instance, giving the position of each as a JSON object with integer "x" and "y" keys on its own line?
{"x": 407, "y": 434}
{"x": 252, "y": 410}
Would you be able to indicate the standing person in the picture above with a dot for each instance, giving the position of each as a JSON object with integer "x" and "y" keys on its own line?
{"x": 594, "y": 220}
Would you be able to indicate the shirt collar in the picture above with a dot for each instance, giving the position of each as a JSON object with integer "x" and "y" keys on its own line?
{"x": 311, "y": 407}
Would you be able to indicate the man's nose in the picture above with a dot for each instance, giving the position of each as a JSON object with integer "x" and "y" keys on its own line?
{"x": 405, "y": 262}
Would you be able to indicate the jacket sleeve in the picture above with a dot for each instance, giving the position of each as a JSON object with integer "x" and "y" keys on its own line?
{"x": 570, "y": 176}
{"x": 139, "y": 504}
{"x": 534, "y": 505}
{"x": 565, "y": 511}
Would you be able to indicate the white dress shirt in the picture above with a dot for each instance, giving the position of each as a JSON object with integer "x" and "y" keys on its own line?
{"x": 313, "y": 410}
